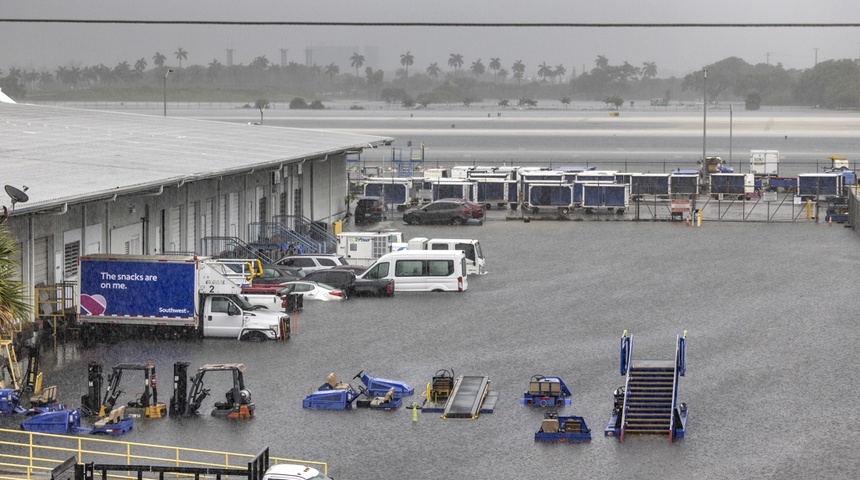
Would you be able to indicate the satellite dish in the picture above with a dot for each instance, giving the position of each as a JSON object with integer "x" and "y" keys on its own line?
{"x": 17, "y": 196}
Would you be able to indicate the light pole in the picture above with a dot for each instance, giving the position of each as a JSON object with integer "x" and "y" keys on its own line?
{"x": 164, "y": 89}
{"x": 705, "y": 115}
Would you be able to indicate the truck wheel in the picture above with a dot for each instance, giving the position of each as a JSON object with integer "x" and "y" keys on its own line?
{"x": 564, "y": 210}
{"x": 254, "y": 337}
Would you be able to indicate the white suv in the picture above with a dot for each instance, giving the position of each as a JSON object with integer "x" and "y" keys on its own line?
{"x": 313, "y": 261}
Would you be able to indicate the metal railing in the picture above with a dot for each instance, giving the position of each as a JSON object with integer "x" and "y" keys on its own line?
{"x": 680, "y": 370}
{"x": 232, "y": 247}
{"x": 27, "y": 455}
{"x": 309, "y": 230}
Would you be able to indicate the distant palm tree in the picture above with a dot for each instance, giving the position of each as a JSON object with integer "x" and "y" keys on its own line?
{"x": 649, "y": 70}
{"x": 158, "y": 59}
{"x": 331, "y": 70}
{"x": 503, "y": 74}
{"x": 140, "y": 65}
{"x": 477, "y": 68}
{"x": 495, "y": 65}
{"x": 544, "y": 71}
{"x": 456, "y": 61}
{"x": 559, "y": 72}
{"x": 406, "y": 60}
{"x": 565, "y": 101}
{"x": 601, "y": 62}
{"x": 433, "y": 70}
{"x": 180, "y": 55}
{"x": 519, "y": 69}
{"x": 356, "y": 61}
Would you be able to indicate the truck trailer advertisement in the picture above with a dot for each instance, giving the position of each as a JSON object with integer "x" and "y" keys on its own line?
{"x": 122, "y": 288}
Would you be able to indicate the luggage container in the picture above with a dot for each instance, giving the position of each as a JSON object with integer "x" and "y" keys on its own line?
{"x": 611, "y": 196}
{"x": 649, "y": 184}
{"x": 819, "y": 186}
{"x": 560, "y": 196}
{"x": 732, "y": 185}
{"x": 396, "y": 191}
{"x": 684, "y": 182}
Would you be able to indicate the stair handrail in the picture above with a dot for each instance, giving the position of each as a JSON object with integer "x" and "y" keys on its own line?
{"x": 679, "y": 370}
{"x": 310, "y": 232}
{"x": 628, "y": 340}
{"x": 244, "y": 249}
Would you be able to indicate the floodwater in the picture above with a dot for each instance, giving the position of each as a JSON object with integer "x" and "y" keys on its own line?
{"x": 770, "y": 315}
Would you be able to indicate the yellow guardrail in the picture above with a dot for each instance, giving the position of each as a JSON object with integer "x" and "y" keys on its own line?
{"x": 30, "y": 455}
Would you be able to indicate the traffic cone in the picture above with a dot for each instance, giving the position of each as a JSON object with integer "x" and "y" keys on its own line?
{"x": 830, "y": 220}
{"x": 687, "y": 221}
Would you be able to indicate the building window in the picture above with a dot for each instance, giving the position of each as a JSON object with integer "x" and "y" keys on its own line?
{"x": 71, "y": 252}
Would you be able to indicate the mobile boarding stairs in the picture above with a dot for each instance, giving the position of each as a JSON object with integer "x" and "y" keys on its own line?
{"x": 648, "y": 404}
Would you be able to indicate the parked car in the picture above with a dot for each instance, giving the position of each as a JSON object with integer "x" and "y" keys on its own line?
{"x": 278, "y": 274}
{"x": 370, "y": 210}
{"x": 449, "y": 210}
{"x": 347, "y": 281}
{"x": 312, "y": 261}
{"x": 312, "y": 290}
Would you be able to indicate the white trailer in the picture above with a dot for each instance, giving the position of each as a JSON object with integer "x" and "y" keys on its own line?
{"x": 363, "y": 248}
{"x": 764, "y": 162}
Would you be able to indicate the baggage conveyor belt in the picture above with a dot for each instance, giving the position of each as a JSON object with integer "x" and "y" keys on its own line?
{"x": 470, "y": 397}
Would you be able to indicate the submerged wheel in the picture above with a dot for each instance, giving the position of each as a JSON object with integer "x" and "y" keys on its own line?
{"x": 457, "y": 221}
{"x": 255, "y": 337}
{"x": 564, "y": 210}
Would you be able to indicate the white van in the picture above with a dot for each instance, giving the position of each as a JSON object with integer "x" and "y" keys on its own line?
{"x": 475, "y": 262}
{"x": 422, "y": 270}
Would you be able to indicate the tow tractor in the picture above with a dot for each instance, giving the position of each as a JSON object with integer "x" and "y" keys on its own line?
{"x": 380, "y": 386}
{"x": 437, "y": 391}
{"x": 377, "y": 393}
{"x": 546, "y": 392}
{"x": 186, "y": 402}
{"x": 332, "y": 395}
{"x": 571, "y": 429}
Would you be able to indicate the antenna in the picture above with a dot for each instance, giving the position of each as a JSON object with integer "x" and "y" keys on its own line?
{"x": 17, "y": 195}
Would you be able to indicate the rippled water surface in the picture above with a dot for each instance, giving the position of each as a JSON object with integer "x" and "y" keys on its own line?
{"x": 770, "y": 311}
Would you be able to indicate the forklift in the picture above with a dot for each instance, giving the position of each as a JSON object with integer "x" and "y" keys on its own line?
{"x": 187, "y": 401}
{"x": 147, "y": 402}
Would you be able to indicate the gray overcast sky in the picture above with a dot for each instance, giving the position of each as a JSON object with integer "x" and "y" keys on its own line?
{"x": 676, "y": 51}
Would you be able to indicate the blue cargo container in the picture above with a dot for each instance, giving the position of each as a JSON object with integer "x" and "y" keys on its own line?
{"x": 453, "y": 189}
{"x": 815, "y": 185}
{"x": 740, "y": 185}
{"x": 684, "y": 182}
{"x": 596, "y": 195}
{"x": 656, "y": 184}
{"x": 395, "y": 191}
{"x": 550, "y": 195}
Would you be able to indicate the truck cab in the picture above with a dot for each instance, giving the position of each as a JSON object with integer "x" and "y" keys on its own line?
{"x": 231, "y": 316}
{"x": 289, "y": 471}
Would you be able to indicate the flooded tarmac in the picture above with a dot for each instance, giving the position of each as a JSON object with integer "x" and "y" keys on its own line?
{"x": 769, "y": 309}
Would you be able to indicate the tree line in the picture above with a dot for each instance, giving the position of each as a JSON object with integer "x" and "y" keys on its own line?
{"x": 830, "y": 84}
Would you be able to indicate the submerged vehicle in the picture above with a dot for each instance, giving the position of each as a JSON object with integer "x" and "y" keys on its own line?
{"x": 187, "y": 402}
{"x": 571, "y": 429}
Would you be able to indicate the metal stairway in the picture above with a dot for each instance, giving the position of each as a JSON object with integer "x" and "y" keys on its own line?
{"x": 649, "y": 397}
{"x": 648, "y": 402}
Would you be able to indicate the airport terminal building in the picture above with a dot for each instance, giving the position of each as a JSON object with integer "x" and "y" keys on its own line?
{"x": 84, "y": 182}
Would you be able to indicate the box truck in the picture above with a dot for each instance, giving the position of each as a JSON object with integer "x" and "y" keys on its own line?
{"x": 167, "y": 296}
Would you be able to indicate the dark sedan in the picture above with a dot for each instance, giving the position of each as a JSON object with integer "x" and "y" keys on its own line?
{"x": 449, "y": 210}
{"x": 346, "y": 280}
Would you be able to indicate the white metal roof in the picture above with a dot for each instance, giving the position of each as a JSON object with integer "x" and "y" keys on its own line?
{"x": 66, "y": 155}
